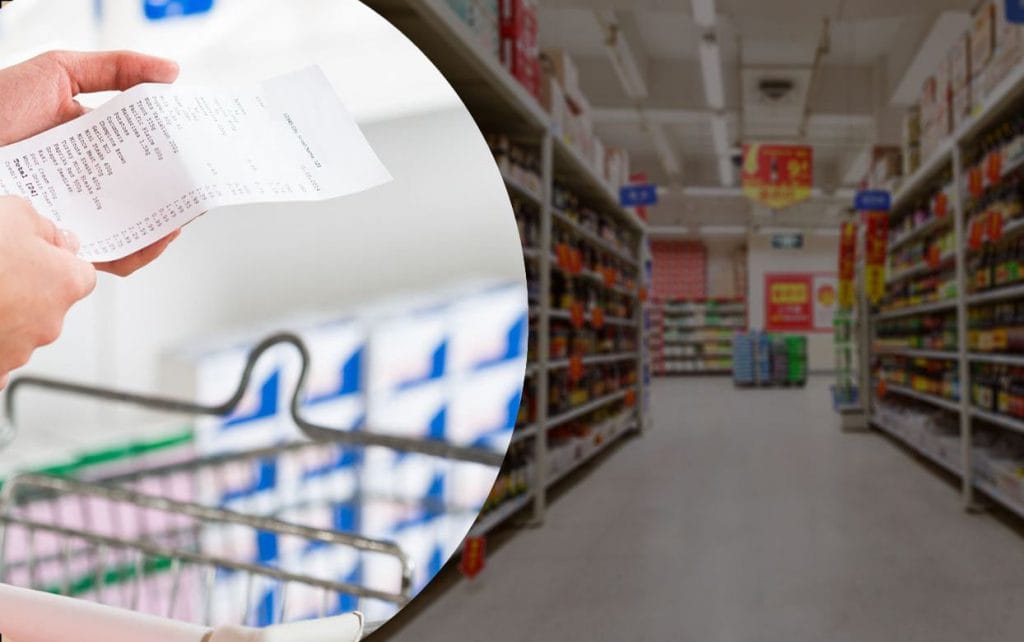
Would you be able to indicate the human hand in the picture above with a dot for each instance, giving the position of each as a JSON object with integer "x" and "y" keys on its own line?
{"x": 46, "y": 86}
{"x": 40, "y": 279}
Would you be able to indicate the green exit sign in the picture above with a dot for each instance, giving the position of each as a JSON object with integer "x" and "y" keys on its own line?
{"x": 787, "y": 241}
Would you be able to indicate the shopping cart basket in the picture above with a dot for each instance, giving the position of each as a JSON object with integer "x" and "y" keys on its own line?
{"x": 158, "y": 548}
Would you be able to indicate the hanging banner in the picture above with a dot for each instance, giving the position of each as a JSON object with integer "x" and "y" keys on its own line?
{"x": 847, "y": 266}
{"x": 788, "y": 302}
{"x": 777, "y": 176}
{"x": 874, "y": 255}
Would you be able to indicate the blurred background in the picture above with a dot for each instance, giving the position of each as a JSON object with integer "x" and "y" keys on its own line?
{"x": 410, "y": 297}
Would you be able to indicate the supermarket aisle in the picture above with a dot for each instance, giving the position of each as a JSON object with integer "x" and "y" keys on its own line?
{"x": 744, "y": 516}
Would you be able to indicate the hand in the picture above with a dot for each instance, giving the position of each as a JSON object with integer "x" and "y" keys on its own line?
{"x": 46, "y": 87}
{"x": 41, "y": 279}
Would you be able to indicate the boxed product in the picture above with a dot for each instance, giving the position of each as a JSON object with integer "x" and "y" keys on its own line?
{"x": 558, "y": 63}
{"x": 983, "y": 38}
{"x": 519, "y": 42}
{"x": 1008, "y": 50}
{"x": 481, "y": 16}
{"x": 960, "y": 79}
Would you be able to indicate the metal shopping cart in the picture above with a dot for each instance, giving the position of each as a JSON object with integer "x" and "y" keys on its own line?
{"x": 158, "y": 554}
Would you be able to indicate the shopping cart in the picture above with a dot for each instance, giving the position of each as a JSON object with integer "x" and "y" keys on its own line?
{"x": 160, "y": 554}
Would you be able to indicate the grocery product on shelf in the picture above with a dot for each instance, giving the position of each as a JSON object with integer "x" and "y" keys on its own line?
{"x": 932, "y": 432}
{"x": 997, "y": 327}
{"x": 929, "y": 331}
{"x": 768, "y": 359}
{"x": 694, "y": 337}
{"x": 936, "y": 377}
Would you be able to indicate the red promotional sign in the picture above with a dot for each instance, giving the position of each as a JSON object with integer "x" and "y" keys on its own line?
{"x": 777, "y": 175}
{"x": 575, "y": 368}
{"x": 976, "y": 237}
{"x": 789, "y": 305}
{"x": 874, "y": 255}
{"x": 597, "y": 318}
{"x": 995, "y": 226}
{"x": 474, "y": 552}
{"x": 847, "y": 265}
{"x": 940, "y": 204}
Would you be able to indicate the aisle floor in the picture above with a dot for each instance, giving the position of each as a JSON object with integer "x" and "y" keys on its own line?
{"x": 743, "y": 515}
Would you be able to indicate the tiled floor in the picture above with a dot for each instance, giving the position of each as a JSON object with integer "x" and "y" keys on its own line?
{"x": 743, "y": 516}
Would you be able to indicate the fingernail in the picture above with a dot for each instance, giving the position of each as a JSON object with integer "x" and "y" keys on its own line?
{"x": 71, "y": 241}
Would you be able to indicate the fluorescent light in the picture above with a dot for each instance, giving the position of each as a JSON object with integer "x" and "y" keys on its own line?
{"x": 707, "y": 191}
{"x": 704, "y": 13}
{"x": 620, "y": 54}
{"x": 720, "y": 134}
{"x": 711, "y": 69}
{"x": 726, "y": 172}
{"x": 668, "y": 157}
{"x": 668, "y": 230}
{"x": 723, "y": 230}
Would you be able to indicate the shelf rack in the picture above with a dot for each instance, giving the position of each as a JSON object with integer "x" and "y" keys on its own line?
{"x": 678, "y": 323}
{"x": 500, "y": 104}
{"x": 951, "y": 154}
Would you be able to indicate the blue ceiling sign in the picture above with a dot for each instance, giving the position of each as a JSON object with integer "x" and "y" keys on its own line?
{"x": 638, "y": 195}
{"x": 1015, "y": 11}
{"x": 872, "y": 201}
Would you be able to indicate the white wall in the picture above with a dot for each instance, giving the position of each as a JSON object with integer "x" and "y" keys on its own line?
{"x": 721, "y": 267}
{"x": 445, "y": 217}
{"x": 819, "y": 254}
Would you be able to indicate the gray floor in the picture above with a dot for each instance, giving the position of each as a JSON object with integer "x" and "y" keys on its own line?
{"x": 744, "y": 515}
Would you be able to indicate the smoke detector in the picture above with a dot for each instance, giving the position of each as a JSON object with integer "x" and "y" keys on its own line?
{"x": 775, "y": 89}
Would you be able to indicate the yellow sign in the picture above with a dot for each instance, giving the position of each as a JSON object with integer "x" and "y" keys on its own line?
{"x": 789, "y": 293}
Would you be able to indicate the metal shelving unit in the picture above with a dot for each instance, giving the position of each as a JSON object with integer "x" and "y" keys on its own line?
{"x": 692, "y": 325}
{"x": 499, "y": 103}
{"x": 950, "y": 154}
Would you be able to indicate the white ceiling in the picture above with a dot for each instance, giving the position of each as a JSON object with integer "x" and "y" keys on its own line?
{"x": 848, "y": 104}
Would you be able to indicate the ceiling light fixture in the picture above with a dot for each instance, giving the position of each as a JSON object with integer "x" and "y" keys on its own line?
{"x": 723, "y": 230}
{"x": 704, "y": 13}
{"x": 711, "y": 70}
{"x": 720, "y": 134}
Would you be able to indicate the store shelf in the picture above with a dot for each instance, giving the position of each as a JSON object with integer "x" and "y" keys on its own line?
{"x": 919, "y": 354}
{"x": 913, "y": 184}
{"x": 559, "y": 475}
{"x": 999, "y": 420}
{"x": 938, "y": 461}
{"x": 935, "y": 400}
{"x": 935, "y": 306}
{"x": 997, "y": 358}
{"x": 483, "y": 83}
{"x": 946, "y": 261}
{"x": 999, "y": 294}
{"x": 499, "y": 515}
{"x": 594, "y": 239}
{"x": 999, "y": 497}
{"x": 690, "y": 342}
{"x": 620, "y": 321}
{"x": 531, "y": 253}
{"x": 584, "y": 409}
{"x": 519, "y": 434}
{"x": 573, "y": 171}
{"x": 522, "y": 190}
{"x": 596, "y": 360}
{"x": 934, "y": 225}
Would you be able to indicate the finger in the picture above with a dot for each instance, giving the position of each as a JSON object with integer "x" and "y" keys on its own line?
{"x": 114, "y": 70}
{"x": 3, "y": 380}
{"x": 130, "y": 264}
{"x": 81, "y": 277}
{"x": 49, "y": 231}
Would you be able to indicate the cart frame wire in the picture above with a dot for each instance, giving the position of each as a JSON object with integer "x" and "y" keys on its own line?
{"x": 317, "y": 432}
{"x": 25, "y": 488}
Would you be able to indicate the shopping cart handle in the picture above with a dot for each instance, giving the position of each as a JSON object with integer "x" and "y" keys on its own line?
{"x": 343, "y": 628}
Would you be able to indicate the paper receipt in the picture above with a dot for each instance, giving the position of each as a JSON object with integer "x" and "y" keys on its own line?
{"x": 155, "y": 157}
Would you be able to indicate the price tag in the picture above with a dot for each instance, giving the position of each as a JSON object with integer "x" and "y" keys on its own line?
{"x": 577, "y": 315}
{"x": 575, "y": 369}
{"x": 562, "y": 256}
{"x": 976, "y": 182}
{"x": 611, "y": 276}
{"x": 575, "y": 261}
{"x": 994, "y": 167}
{"x": 881, "y": 388}
{"x": 474, "y": 556}
{"x": 940, "y": 205}
{"x": 643, "y": 295}
{"x": 995, "y": 226}
{"x": 976, "y": 236}
{"x": 597, "y": 318}
{"x": 630, "y": 398}
{"x": 934, "y": 256}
